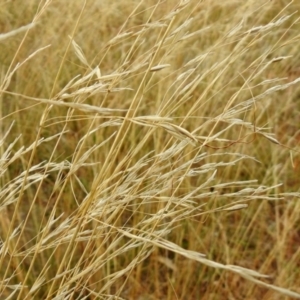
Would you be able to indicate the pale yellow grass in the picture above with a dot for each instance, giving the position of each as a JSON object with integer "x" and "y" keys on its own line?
{"x": 149, "y": 150}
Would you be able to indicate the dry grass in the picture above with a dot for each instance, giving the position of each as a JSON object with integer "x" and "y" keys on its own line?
{"x": 149, "y": 150}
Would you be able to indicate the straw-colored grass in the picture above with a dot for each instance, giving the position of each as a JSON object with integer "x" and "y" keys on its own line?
{"x": 149, "y": 149}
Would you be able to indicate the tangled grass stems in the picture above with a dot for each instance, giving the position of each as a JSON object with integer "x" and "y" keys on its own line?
{"x": 146, "y": 176}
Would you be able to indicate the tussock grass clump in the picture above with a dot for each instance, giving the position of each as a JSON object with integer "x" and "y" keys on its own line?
{"x": 149, "y": 150}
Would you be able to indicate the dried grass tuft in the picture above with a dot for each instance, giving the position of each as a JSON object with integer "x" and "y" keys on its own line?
{"x": 158, "y": 156}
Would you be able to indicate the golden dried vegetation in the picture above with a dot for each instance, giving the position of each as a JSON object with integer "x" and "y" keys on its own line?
{"x": 149, "y": 149}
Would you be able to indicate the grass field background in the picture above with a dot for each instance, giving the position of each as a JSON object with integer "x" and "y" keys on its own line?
{"x": 149, "y": 149}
